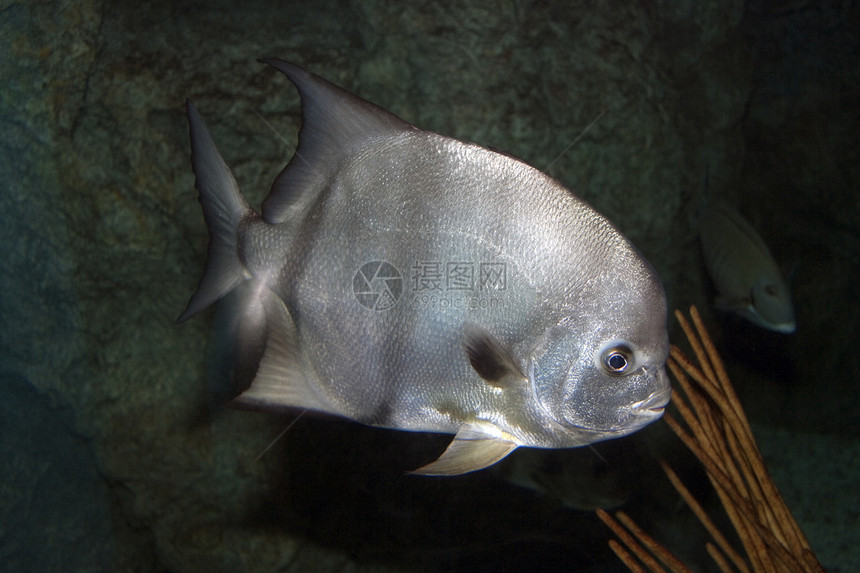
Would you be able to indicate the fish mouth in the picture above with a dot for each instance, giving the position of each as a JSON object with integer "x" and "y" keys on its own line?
{"x": 653, "y": 405}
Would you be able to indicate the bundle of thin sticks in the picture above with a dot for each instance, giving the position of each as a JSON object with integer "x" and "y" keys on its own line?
{"x": 719, "y": 436}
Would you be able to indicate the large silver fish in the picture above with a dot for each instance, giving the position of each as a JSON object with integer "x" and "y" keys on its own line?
{"x": 412, "y": 281}
{"x": 747, "y": 279}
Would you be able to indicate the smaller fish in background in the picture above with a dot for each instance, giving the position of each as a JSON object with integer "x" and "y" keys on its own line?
{"x": 747, "y": 278}
{"x": 576, "y": 478}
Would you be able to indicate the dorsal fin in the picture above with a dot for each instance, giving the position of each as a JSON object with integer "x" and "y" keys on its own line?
{"x": 334, "y": 123}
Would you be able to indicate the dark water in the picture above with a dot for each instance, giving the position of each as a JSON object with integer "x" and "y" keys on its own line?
{"x": 116, "y": 454}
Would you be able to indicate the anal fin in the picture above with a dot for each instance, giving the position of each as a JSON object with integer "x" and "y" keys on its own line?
{"x": 281, "y": 380}
{"x": 476, "y": 446}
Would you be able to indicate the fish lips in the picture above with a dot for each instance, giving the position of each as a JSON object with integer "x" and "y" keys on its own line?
{"x": 653, "y": 406}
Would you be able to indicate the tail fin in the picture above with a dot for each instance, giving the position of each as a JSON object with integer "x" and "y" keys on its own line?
{"x": 223, "y": 208}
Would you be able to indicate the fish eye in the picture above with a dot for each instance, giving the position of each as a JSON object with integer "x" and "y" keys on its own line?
{"x": 617, "y": 360}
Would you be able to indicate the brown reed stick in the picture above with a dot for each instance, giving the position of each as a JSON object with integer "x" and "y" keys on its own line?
{"x": 630, "y": 541}
{"x": 626, "y": 557}
{"x": 720, "y": 437}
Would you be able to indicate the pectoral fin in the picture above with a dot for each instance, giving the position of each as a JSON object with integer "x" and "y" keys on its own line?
{"x": 474, "y": 448}
{"x": 492, "y": 360}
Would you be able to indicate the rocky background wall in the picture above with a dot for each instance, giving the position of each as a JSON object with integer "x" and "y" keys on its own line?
{"x": 115, "y": 456}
